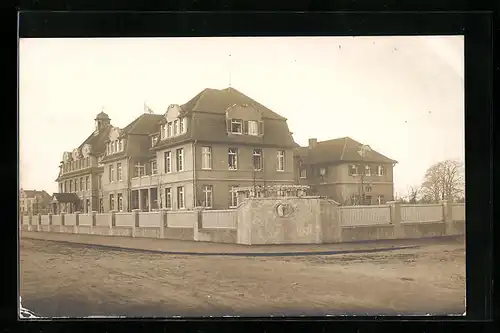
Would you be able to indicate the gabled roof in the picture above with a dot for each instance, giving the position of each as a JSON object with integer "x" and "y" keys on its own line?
{"x": 35, "y": 193}
{"x": 145, "y": 124}
{"x": 97, "y": 141}
{"x": 339, "y": 150}
{"x": 139, "y": 130}
{"x": 65, "y": 197}
{"x": 218, "y": 101}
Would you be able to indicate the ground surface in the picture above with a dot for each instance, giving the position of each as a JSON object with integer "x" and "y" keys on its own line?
{"x": 69, "y": 279}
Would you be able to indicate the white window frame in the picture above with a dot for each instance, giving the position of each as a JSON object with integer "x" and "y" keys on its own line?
{"x": 111, "y": 173}
{"x": 176, "y": 127}
{"x": 368, "y": 170}
{"x": 206, "y": 158}
{"x": 352, "y": 166}
{"x": 208, "y": 193}
{"x": 232, "y": 152}
{"x": 111, "y": 202}
{"x": 138, "y": 167}
{"x": 181, "y": 204}
{"x": 154, "y": 140}
{"x": 257, "y": 153}
{"x": 154, "y": 171}
{"x": 182, "y": 125}
{"x": 237, "y": 122}
{"x": 280, "y": 158}
{"x": 168, "y": 197}
{"x": 119, "y": 175}
{"x": 168, "y": 161}
{"x": 253, "y": 127}
{"x": 119, "y": 202}
{"x": 169, "y": 129}
{"x": 234, "y": 197}
{"x": 179, "y": 159}
{"x": 381, "y": 170}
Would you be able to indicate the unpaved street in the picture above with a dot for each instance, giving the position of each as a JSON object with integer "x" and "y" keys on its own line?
{"x": 64, "y": 279}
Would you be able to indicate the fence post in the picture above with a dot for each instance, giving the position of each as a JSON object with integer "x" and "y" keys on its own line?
{"x": 50, "y": 222}
{"x": 77, "y": 222}
{"x": 448, "y": 218}
{"x": 112, "y": 223}
{"x": 135, "y": 217}
{"x": 163, "y": 222}
{"x": 94, "y": 222}
{"x": 63, "y": 222}
{"x": 396, "y": 219}
{"x": 39, "y": 222}
{"x": 198, "y": 234}
{"x": 30, "y": 222}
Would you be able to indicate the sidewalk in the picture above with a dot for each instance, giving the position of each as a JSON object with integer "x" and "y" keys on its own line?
{"x": 206, "y": 248}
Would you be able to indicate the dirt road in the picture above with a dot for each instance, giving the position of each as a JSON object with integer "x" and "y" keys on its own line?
{"x": 64, "y": 279}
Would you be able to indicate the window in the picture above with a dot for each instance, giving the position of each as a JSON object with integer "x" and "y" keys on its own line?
{"x": 168, "y": 162}
{"x": 381, "y": 170}
{"x": 353, "y": 170}
{"x": 60, "y": 187}
{"x": 163, "y": 131}
{"x": 120, "y": 202}
{"x": 380, "y": 200}
{"x": 207, "y": 196}
{"x": 154, "y": 140}
{"x": 206, "y": 158}
{"x": 111, "y": 173}
{"x": 118, "y": 171}
{"x": 182, "y": 125}
{"x": 176, "y": 127}
{"x": 368, "y": 200}
{"x": 87, "y": 183}
{"x": 65, "y": 186}
{"x": 368, "y": 170}
{"x": 233, "y": 197}
{"x": 168, "y": 198}
{"x": 101, "y": 206}
{"x": 303, "y": 173}
{"x": 111, "y": 202}
{"x": 233, "y": 158}
{"x": 169, "y": 129}
{"x": 280, "y": 156}
{"x": 180, "y": 159}
{"x": 253, "y": 127}
{"x": 257, "y": 159}
{"x": 99, "y": 182}
{"x": 139, "y": 170}
{"x": 154, "y": 167}
{"x": 180, "y": 197}
{"x": 368, "y": 189}
{"x": 236, "y": 126}
{"x": 81, "y": 184}
{"x": 120, "y": 145}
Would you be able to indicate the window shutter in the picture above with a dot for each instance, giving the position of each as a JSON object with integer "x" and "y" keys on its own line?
{"x": 261, "y": 128}
{"x": 245, "y": 127}
{"x": 228, "y": 125}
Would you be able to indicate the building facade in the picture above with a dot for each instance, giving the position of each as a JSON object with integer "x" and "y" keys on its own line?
{"x": 346, "y": 171}
{"x": 32, "y": 202}
{"x": 196, "y": 154}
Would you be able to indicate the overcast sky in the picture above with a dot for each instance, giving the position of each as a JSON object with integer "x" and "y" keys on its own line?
{"x": 403, "y": 96}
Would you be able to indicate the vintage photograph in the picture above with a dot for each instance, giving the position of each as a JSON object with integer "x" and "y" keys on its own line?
{"x": 241, "y": 176}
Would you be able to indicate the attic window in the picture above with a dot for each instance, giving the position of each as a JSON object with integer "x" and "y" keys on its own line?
{"x": 353, "y": 170}
{"x": 154, "y": 140}
{"x": 236, "y": 126}
{"x": 381, "y": 170}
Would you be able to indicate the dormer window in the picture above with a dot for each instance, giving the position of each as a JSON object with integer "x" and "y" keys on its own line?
{"x": 176, "y": 127}
{"x": 115, "y": 146}
{"x": 162, "y": 131}
{"x": 353, "y": 170}
{"x": 236, "y": 126}
{"x": 154, "y": 140}
{"x": 253, "y": 127}
{"x": 169, "y": 130}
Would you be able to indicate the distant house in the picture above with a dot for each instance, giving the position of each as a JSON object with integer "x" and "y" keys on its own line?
{"x": 32, "y": 202}
{"x": 346, "y": 171}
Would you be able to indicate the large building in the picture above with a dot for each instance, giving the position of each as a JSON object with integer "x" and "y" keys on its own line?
{"x": 196, "y": 154}
{"x": 346, "y": 171}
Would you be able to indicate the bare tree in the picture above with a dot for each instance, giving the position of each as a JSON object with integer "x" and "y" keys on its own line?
{"x": 413, "y": 194}
{"x": 444, "y": 181}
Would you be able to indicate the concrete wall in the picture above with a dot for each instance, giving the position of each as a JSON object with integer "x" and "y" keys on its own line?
{"x": 260, "y": 221}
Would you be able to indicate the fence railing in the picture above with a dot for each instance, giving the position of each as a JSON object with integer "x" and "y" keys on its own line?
{"x": 364, "y": 215}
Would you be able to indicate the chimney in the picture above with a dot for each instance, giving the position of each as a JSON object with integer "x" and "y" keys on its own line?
{"x": 312, "y": 143}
